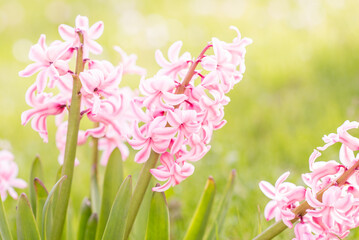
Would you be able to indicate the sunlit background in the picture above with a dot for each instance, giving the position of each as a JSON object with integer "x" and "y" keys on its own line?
{"x": 301, "y": 82}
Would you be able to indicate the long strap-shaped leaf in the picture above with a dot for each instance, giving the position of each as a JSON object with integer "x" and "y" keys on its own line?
{"x": 47, "y": 212}
{"x": 222, "y": 210}
{"x": 41, "y": 196}
{"x": 25, "y": 221}
{"x": 90, "y": 233}
{"x": 111, "y": 184}
{"x": 115, "y": 226}
{"x": 158, "y": 220}
{"x": 36, "y": 172}
{"x": 200, "y": 218}
{"x": 85, "y": 213}
{"x": 4, "y": 225}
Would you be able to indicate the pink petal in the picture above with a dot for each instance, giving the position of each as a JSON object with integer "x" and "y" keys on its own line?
{"x": 173, "y": 119}
{"x": 178, "y": 142}
{"x": 160, "y": 175}
{"x": 31, "y": 69}
{"x": 57, "y": 51}
{"x": 174, "y": 99}
{"x": 67, "y": 33}
{"x": 96, "y": 30}
{"x": 174, "y": 50}
{"x": 281, "y": 179}
{"x": 346, "y": 156}
{"x": 161, "y": 60}
{"x": 41, "y": 81}
{"x": 267, "y": 189}
{"x": 143, "y": 154}
{"x": 94, "y": 47}
{"x": 313, "y": 157}
{"x": 313, "y": 201}
{"x": 270, "y": 210}
{"x": 82, "y": 22}
{"x": 163, "y": 188}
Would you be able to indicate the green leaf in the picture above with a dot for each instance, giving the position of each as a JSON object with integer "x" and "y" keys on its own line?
{"x": 112, "y": 182}
{"x": 4, "y": 225}
{"x": 158, "y": 221}
{"x": 115, "y": 226}
{"x": 36, "y": 172}
{"x": 48, "y": 207}
{"x": 138, "y": 229}
{"x": 222, "y": 210}
{"x": 140, "y": 190}
{"x": 200, "y": 218}
{"x": 91, "y": 227}
{"x": 25, "y": 221}
{"x": 41, "y": 196}
{"x": 95, "y": 194}
{"x": 85, "y": 213}
{"x": 68, "y": 233}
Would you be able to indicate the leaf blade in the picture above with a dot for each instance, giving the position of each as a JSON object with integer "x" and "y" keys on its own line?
{"x": 85, "y": 213}
{"x": 116, "y": 223}
{"x": 201, "y": 215}
{"x": 112, "y": 182}
{"x": 47, "y": 211}
{"x": 26, "y": 226}
{"x": 218, "y": 223}
{"x": 90, "y": 233}
{"x": 5, "y": 232}
{"x": 41, "y": 196}
{"x": 158, "y": 219}
{"x": 36, "y": 172}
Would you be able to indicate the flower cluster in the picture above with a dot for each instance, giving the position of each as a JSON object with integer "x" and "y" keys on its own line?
{"x": 8, "y": 175}
{"x": 104, "y": 103}
{"x": 179, "y": 108}
{"x": 182, "y": 105}
{"x": 332, "y": 192}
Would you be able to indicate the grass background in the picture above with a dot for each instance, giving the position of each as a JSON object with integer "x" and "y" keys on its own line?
{"x": 301, "y": 83}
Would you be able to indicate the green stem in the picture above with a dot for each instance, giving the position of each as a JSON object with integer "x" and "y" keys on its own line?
{"x": 145, "y": 175}
{"x": 95, "y": 195}
{"x": 278, "y": 227}
{"x": 139, "y": 191}
{"x": 71, "y": 145}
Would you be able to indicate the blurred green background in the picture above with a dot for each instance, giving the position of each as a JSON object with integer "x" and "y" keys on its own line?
{"x": 301, "y": 82}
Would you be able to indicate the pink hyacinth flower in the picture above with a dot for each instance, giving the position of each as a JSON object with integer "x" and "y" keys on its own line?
{"x": 50, "y": 61}
{"x": 153, "y": 135}
{"x": 8, "y": 176}
{"x": 333, "y": 208}
{"x": 129, "y": 63}
{"x": 285, "y": 197}
{"x": 158, "y": 92}
{"x": 95, "y": 84}
{"x": 109, "y": 142}
{"x": 303, "y": 231}
{"x": 90, "y": 34}
{"x": 176, "y": 64}
{"x": 342, "y": 136}
{"x": 171, "y": 171}
{"x": 186, "y": 123}
{"x": 198, "y": 149}
{"x": 238, "y": 48}
{"x": 220, "y": 67}
{"x": 43, "y": 106}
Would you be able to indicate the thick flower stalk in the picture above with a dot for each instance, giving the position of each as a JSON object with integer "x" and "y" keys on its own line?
{"x": 102, "y": 100}
{"x": 8, "y": 176}
{"x": 329, "y": 204}
{"x": 180, "y": 114}
{"x": 91, "y": 89}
